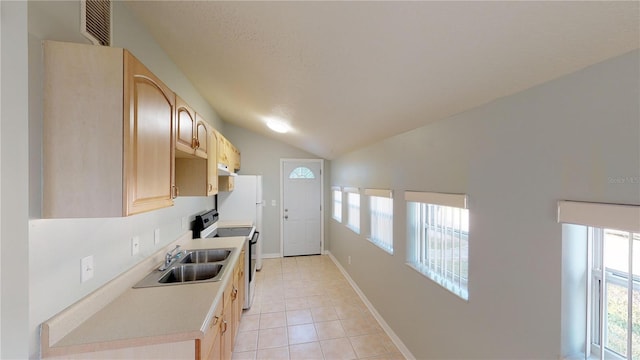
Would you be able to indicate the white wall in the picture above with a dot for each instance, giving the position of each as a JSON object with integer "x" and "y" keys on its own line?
{"x": 55, "y": 247}
{"x": 261, "y": 156}
{"x": 1, "y": 181}
{"x": 515, "y": 157}
{"x": 14, "y": 284}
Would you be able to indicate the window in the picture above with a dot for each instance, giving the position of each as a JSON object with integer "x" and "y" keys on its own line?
{"x": 614, "y": 294}
{"x": 301, "y": 173}
{"x": 337, "y": 203}
{"x": 439, "y": 239}
{"x": 381, "y": 211}
{"x": 353, "y": 209}
{"x": 601, "y": 266}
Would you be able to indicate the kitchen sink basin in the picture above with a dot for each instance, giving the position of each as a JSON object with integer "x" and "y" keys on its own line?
{"x": 191, "y": 272}
{"x": 206, "y": 256}
{"x": 195, "y": 266}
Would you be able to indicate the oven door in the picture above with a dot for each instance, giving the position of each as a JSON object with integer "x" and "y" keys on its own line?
{"x": 254, "y": 255}
{"x": 250, "y": 270}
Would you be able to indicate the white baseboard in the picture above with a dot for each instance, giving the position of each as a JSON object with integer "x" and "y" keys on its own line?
{"x": 271, "y": 256}
{"x": 392, "y": 335}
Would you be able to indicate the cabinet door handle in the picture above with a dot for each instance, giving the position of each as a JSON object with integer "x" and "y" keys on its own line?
{"x": 174, "y": 191}
{"x": 214, "y": 322}
{"x": 224, "y": 329}
{"x": 234, "y": 293}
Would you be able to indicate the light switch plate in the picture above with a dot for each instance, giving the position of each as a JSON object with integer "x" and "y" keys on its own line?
{"x": 156, "y": 236}
{"x": 273, "y": 203}
{"x": 135, "y": 245}
{"x": 86, "y": 268}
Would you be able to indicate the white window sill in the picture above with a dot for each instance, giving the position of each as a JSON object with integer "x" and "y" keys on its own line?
{"x": 458, "y": 294}
{"x": 381, "y": 247}
{"x": 354, "y": 229}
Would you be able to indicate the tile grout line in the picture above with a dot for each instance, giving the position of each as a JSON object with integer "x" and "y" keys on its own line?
{"x": 279, "y": 270}
{"x": 385, "y": 327}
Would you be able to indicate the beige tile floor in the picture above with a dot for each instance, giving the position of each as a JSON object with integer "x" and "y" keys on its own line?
{"x": 305, "y": 309}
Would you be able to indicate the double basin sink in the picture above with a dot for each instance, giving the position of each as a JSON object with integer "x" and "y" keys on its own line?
{"x": 194, "y": 266}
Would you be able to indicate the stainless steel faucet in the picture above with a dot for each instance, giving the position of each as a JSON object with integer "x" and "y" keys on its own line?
{"x": 170, "y": 257}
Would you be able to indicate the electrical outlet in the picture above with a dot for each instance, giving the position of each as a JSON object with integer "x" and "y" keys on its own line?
{"x": 273, "y": 203}
{"x": 156, "y": 236}
{"x": 86, "y": 268}
{"x": 349, "y": 259}
{"x": 135, "y": 245}
{"x": 185, "y": 223}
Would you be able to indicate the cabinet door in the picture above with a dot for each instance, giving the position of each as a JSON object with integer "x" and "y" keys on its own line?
{"x": 211, "y": 345}
{"x": 148, "y": 139}
{"x": 202, "y": 136}
{"x": 185, "y": 123}
{"x": 212, "y": 163}
{"x": 236, "y": 159}
{"x": 222, "y": 159}
{"x": 238, "y": 298}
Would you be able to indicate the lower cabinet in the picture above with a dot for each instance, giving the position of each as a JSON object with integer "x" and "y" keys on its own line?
{"x": 209, "y": 346}
{"x": 223, "y": 327}
{"x": 237, "y": 296}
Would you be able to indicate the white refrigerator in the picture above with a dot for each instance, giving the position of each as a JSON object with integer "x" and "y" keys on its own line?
{"x": 244, "y": 203}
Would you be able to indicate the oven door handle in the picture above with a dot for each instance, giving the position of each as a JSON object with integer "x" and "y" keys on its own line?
{"x": 254, "y": 239}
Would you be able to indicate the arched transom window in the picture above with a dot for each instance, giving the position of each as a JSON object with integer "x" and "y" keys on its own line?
{"x": 302, "y": 172}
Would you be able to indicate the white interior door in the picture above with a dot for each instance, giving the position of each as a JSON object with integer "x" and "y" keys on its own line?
{"x": 301, "y": 207}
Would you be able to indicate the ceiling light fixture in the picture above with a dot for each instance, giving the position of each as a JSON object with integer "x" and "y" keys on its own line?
{"x": 278, "y": 126}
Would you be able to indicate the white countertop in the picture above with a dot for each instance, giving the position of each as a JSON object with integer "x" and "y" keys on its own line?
{"x": 233, "y": 223}
{"x": 155, "y": 314}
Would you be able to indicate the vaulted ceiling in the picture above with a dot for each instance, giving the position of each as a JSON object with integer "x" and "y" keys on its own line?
{"x": 346, "y": 74}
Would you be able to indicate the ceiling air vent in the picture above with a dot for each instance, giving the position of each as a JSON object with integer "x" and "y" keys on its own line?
{"x": 95, "y": 22}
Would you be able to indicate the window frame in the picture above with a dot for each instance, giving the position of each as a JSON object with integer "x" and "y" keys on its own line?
{"x": 385, "y": 244}
{"x": 354, "y": 211}
{"x": 587, "y": 216}
{"x": 296, "y": 173}
{"x": 596, "y": 293}
{"x": 336, "y": 203}
{"x": 418, "y": 240}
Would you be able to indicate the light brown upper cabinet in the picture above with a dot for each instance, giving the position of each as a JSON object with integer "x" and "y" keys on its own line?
{"x": 235, "y": 158}
{"x": 202, "y": 137}
{"x": 212, "y": 163}
{"x": 185, "y": 123}
{"x": 191, "y": 132}
{"x": 222, "y": 152}
{"x": 228, "y": 154}
{"x": 108, "y": 141}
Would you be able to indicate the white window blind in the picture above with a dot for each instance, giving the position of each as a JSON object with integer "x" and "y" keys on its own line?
{"x": 614, "y": 216}
{"x": 444, "y": 199}
{"x": 381, "y": 210}
{"x": 353, "y": 209}
{"x": 439, "y": 239}
{"x": 337, "y": 203}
